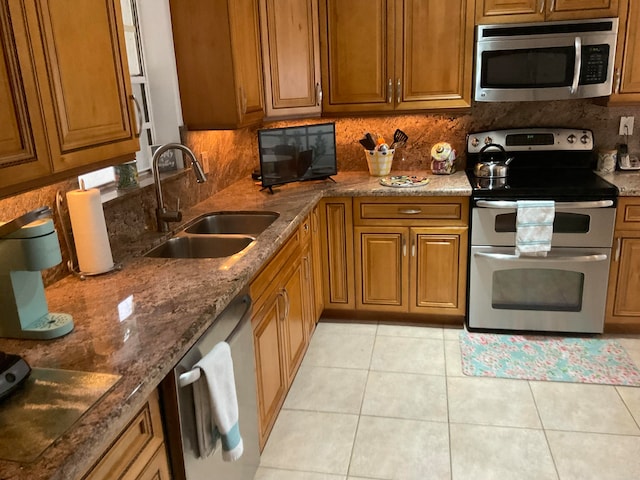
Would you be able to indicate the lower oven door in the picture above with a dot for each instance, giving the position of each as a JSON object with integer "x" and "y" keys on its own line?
{"x": 562, "y": 292}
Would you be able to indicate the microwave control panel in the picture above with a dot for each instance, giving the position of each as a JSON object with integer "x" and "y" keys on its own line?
{"x": 595, "y": 63}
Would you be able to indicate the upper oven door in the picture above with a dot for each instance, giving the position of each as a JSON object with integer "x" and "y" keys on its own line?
{"x": 576, "y": 224}
{"x": 549, "y": 61}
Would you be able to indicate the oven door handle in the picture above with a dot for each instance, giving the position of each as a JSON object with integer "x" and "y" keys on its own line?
{"x": 599, "y": 257}
{"x": 559, "y": 205}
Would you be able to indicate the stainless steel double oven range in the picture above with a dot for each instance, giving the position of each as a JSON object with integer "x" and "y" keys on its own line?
{"x": 564, "y": 291}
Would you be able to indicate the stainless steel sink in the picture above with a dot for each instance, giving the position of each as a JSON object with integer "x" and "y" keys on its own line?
{"x": 246, "y": 223}
{"x": 201, "y": 247}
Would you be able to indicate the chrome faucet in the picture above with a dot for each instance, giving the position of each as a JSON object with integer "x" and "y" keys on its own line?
{"x": 163, "y": 215}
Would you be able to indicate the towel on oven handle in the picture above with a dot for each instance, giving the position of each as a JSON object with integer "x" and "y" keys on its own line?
{"x": 216, "y": 405}
{"x": 534, "y": 227}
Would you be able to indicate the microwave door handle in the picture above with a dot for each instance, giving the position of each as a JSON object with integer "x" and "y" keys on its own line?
{"x": 599, "y": 257}
{"x": 559, "y": 205}
{"x": 577, "y": 65}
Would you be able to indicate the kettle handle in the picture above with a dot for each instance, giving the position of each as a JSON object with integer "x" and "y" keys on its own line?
{"x": 491, "y": 145}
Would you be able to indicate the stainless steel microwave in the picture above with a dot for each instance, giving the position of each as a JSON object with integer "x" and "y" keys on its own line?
{"x": 545, "y": 61}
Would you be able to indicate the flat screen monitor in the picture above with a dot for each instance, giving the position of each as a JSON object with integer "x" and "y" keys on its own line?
{"x": 292, "y": 154}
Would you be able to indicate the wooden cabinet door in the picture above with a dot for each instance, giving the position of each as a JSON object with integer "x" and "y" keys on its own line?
{"x": 23, "y": 149}
{"x": 357, "y": 68}
{"x": 627, "y": 72}
{"x": 577, "y": 9}
{"x": 270, "y": 369}
{"x": 316, "y": 263}
{"x": 433, "y": 54}
{"x": 85, "y": 82}
{"x": 218, "y": 60}
{"x": 624, "y": 282}
{"x": 382, "y": 269}
{"x": 439, "y": 266}
{"x": 247, "y": 59}
{"x": 295, "y": 321}
{"x": 291, "y": 57}
{"x": 336, "y": 218}
{"x": 502, "y": 11}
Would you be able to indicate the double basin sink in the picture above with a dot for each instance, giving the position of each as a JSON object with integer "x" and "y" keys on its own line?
{"x": 215, "y": 235}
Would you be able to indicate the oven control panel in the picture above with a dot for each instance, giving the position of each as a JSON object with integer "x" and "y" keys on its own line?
{"x": 532, "y": 139}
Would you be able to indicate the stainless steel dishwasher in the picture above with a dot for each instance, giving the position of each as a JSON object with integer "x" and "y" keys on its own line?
{"x": 233, "y": 325}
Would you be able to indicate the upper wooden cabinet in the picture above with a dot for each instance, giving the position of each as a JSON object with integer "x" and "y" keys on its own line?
{"x": 627, "y": 71}
{"x": 504, "y": 11}
{"x": 396, "y": 55}
{"x": 291, "y": 58}
{"x": 217, "y": 47}
{"x": 66, "y": 103}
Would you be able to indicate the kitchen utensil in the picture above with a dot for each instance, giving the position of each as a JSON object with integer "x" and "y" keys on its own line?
{"x": 443, "y": 158}
{"x": 399, "y": 138}
{"x": 370, "y": 141}
{"x": 492, "y": 168}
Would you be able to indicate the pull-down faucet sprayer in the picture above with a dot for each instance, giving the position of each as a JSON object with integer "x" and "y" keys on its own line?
{"x": 163, "y": 215}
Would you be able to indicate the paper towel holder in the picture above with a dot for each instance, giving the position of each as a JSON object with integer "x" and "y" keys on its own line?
{"x": 72, "y": 263}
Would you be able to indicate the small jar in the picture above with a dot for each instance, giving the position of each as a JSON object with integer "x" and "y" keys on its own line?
{"x": 126, "y": 175}
{"x": 443, "y": 158}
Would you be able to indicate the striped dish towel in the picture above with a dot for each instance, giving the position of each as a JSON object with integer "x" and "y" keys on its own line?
{"x": 534, "y": 227}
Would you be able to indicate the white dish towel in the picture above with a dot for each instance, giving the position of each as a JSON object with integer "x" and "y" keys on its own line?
{"x": 216, "y": 405}
{"x": 534, "y": 227}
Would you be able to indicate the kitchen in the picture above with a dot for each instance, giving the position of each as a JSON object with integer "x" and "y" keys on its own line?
{"x": 129, "y": 217}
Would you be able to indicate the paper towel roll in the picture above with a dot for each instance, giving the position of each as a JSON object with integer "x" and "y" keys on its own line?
{"x": 89, "y": 231}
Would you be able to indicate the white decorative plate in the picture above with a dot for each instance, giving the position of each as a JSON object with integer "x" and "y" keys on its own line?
{"x": 404, "y": 181}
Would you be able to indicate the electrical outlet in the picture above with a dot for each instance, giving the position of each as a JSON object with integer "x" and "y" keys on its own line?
{"x": 204, "y": 160}
{"x": 626, "y": 125}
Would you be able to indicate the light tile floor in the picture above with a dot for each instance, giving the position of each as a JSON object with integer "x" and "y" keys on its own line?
{"x": 375, "y": 401}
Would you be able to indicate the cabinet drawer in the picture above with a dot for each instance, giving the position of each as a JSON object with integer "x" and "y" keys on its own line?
{"x": 134, "y": 448}
{"x": 628, "y": 214}
{"x": 266, "y": 276}
{"x": 433, "y": 211}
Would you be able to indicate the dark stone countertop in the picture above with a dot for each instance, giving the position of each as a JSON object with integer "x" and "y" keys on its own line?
{"x": 138, "y": 322}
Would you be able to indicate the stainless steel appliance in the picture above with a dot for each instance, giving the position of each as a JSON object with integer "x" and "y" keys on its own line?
{"x": 545, "y": 61}
{"x": 233, "y": 325}
{"x": 566, "y": 290}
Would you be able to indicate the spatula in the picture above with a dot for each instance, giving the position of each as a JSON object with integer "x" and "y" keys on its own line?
{"x": 399, "y": 138}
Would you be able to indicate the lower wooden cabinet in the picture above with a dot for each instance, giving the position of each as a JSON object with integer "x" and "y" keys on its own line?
{"x": 283, "y": 320}
{"x": 139, "y": 451}
{"x": 623, "y": 301}
{"x": 336, "y": 220}
{"x": 411, "y": 269}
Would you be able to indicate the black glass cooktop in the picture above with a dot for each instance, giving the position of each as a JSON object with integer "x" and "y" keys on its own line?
{"x": 559, "y": 185}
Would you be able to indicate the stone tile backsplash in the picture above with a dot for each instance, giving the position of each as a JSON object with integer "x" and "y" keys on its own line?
{"x": 233, "y": 154}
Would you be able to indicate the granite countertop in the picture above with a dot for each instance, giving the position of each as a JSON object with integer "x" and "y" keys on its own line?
{"x": 628, "y": 182}
{"x": 138, "y": 322}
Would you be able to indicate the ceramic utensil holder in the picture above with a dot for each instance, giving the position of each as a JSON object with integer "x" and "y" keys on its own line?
{"x": 379, "y": 162}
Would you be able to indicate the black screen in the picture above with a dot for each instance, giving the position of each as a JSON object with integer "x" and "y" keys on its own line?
{"x": 291, "y": 154}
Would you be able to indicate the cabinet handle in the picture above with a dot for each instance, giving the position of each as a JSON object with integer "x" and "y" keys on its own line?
{"x": 307, "y": 269}
{"x": 140, "y": 117}
{"x": 413, "y": 247}
{"x": 404, "y": 246}
{"x": 389, "y": 91}
{"x": 542, "y": 6}
{"x": 287, "y": 303}
{"x": 398, "y": 91}
{"x": 243, "y": 101}
{"x": 410, "y": 211}
{"x": 552, "y": 6}
{"x": 315, "y": 223}
{"x": 305, "y": 227}
{"x": 318, "y": 94}
{"x": 618, "y": 248}
{"x": 618, "y": 77}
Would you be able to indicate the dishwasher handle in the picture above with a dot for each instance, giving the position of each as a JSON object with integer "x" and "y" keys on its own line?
{"x": 191, "y": 376}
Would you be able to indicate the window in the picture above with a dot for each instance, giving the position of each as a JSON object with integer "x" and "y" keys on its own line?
{"x": 140, "y": 87}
